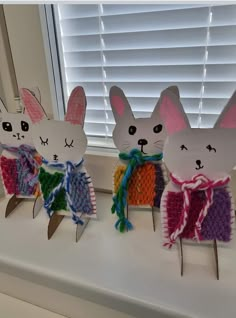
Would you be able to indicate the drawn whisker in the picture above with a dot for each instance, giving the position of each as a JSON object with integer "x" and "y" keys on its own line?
{"x": 159, "y": 141}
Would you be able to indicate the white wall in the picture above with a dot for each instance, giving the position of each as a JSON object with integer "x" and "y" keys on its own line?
{"x": 6, "y": 91}
{"x": 24, "y": 29}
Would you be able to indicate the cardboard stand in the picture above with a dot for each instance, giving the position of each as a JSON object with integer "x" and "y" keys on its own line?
{"x": 62, "y": 145}
{"x": 135, "y": 138}
{"x": 198, "y": 198}
{"x": 215, "y": 254}
{"x": 38, "y": 204}
{"x": 153, "y": 217}
{"x": 14, "y": 201}
{"x": 55, "y": 221}
{"x": 216, "y": 259}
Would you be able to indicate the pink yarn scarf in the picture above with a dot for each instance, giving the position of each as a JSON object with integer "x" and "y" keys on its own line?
{"x": 197, "y": 183}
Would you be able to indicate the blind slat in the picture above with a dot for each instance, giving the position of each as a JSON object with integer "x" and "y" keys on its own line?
{"x": 173, "y": 56}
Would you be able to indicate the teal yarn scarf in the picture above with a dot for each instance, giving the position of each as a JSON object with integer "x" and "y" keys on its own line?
{"x": 135, "y": 159}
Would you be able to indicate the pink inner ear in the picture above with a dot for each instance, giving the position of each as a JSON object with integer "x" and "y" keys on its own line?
{"x": 118, "y": 104}
{"x": 172, "y": 116}
{"x": 229, "y": 119}
{"x": 33, "y": 108}
{"x": 76, "y": 107}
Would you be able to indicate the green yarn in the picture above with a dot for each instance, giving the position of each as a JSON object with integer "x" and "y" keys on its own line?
{"x": 48, "y": 182}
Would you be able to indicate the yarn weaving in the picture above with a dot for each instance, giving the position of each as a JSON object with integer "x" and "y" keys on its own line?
{"x": 188, "y": 212}
{"x": 129, "y": 177}
{"x": 20, "y": 175}
{"x": 68, "y": 190}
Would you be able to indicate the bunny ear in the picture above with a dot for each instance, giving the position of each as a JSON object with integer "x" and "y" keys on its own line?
{"x": 172, "y": 112}
{"x": 175, "y": 91}
{"x": 119, "y": 104}
{"x": 32, "y": 106}
{"x": 2, "y": 107}
{"x": 76, "y": 106}
{"x": 227, "y": 119}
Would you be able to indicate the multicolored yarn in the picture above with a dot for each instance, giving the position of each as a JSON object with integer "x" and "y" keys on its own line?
{"x": 145, "y": 186}
{"x": 20, "y": 175}
{"x": 198, "y": 183}
{"x": 135, "y": 159}
{"x": 66, "y": 191}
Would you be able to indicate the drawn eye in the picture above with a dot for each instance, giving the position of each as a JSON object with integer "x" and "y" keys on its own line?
{"x": 210, "y": 148}
{"x": 7, "y": 126}
{"x": 132, "y": 130}
{"x": 44, "y": 143}
{"x": 70, "y": 144}
{"x": 183, "y": 147}
{"x": 24, "y": 126}
{"x": 157, "y": 129}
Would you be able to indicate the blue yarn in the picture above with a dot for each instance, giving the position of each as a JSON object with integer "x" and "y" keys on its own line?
{"x": 66, "y": 183}
{"x": 127, "y": 223}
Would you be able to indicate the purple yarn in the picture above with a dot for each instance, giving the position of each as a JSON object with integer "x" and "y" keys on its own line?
{"x": 159, "y": 185}
{"x": 80, "y": 192}
{"x": 26, "y": 165}
{"x": 24, "y": 187}
{"x": 217, "y": 223}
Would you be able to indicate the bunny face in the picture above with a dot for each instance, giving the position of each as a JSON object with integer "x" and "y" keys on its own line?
{"x": 191, "y": 151}
{"x": 200, "y": 151}
{"x": 59, "y": 141}
{"x": 15, "y": 129}
{"x": 145, "y": 134}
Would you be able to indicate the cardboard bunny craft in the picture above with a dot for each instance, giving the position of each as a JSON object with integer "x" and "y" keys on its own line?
{"x": 197, "y": 202}
{"x": 19, "y": 161}
{"x": 140, "y": 177}
{"x": 65, "y": 184}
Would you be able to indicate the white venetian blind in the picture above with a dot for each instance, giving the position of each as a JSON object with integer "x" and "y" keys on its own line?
{"x": 144, "y": 48}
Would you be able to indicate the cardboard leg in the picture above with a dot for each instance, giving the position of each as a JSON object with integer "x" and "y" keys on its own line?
{"x": 38, "y": 203}
{"x": 80, "y": 229}
{"x": 216, "y": 259}
{"x": 181, "y": 257}
{"x": 12, "y": 204}
{"x": 53, "y": 224}
{"x": 153, "y": 219}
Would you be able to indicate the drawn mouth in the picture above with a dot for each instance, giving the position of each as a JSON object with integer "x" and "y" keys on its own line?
{"x": 142, "y": 150}
{"x": 55, "y": 157}
{"x": 199, "y": 167}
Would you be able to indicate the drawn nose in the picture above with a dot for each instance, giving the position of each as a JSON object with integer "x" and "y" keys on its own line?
{"x": 18, "y": 136}
{"x": 55, "y": 157}
{"x": 142, "y": 142}
{"x": 198, "y": 162}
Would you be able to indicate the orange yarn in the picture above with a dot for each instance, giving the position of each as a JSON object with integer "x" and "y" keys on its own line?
{"x": 141, "y": 190}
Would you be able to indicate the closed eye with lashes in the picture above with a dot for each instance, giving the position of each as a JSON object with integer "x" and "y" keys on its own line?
{"x": 44, "y": 142}
{"x": 210, "y": 148}
{"x": 183, "y": 147}
{"x": 69, "y": 145}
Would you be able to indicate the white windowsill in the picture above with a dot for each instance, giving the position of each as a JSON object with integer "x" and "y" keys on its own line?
{"x": 15, "y": 308}
{"x": 127, "y": 272}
